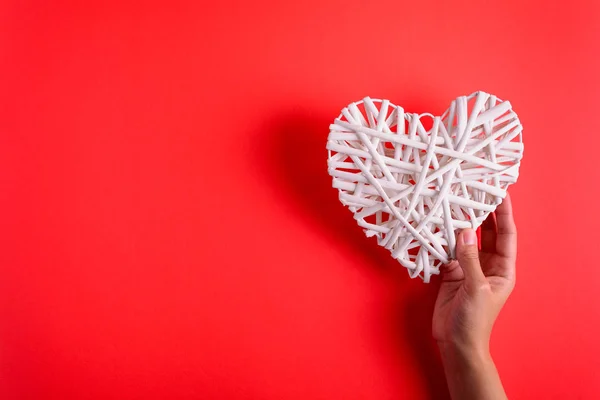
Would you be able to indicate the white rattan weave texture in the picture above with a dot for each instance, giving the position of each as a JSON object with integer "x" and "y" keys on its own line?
{"x": 412, "y": 187}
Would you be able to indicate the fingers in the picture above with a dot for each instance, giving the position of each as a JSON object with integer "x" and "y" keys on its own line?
{"x": 506, "y": 238}
{"x": 468, "y": 257}
{"x": 488, "y": 234}
{"x": 452, "y": 272}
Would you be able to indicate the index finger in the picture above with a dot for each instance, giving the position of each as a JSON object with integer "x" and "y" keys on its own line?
{"x": 506, "y": 239}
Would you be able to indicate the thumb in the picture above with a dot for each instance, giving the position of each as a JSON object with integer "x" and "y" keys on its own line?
{"x": 467, "y": 254}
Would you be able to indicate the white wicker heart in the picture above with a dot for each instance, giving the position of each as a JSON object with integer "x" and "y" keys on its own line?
{"x": 412, "y": 187}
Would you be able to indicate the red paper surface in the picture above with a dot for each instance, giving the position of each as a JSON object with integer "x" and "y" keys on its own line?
{"x": 168, "y": 230}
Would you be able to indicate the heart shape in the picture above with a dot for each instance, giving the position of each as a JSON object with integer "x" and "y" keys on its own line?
{"x": 413, "y": 187}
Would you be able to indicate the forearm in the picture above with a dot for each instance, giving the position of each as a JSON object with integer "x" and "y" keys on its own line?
{"x": 471, "y": 374}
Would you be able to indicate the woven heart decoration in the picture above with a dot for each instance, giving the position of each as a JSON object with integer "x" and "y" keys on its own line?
{"x": 413, "y": 187}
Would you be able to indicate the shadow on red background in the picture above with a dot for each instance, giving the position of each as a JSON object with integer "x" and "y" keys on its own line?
{"x": 302, "y": 178}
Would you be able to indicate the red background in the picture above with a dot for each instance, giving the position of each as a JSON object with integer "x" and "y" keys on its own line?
{"x": 168, "y": 229}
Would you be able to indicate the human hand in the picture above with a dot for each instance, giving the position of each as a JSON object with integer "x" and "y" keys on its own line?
{"x": 472, "y": 293}
{"x": 474, "y": 288}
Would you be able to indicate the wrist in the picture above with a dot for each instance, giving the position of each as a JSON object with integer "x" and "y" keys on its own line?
{"x": 470, "y": 372}
{"x": 465, "y": 353}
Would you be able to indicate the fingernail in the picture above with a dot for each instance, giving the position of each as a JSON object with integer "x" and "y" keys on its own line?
{"x": 469, "y": 237}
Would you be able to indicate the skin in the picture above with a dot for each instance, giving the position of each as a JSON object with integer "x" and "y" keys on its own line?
{"x": 474, "y": 289}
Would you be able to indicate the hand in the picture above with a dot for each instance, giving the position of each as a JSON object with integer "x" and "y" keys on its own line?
{"x": 474, "y": 288}
{"x": 472, "y": 293}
